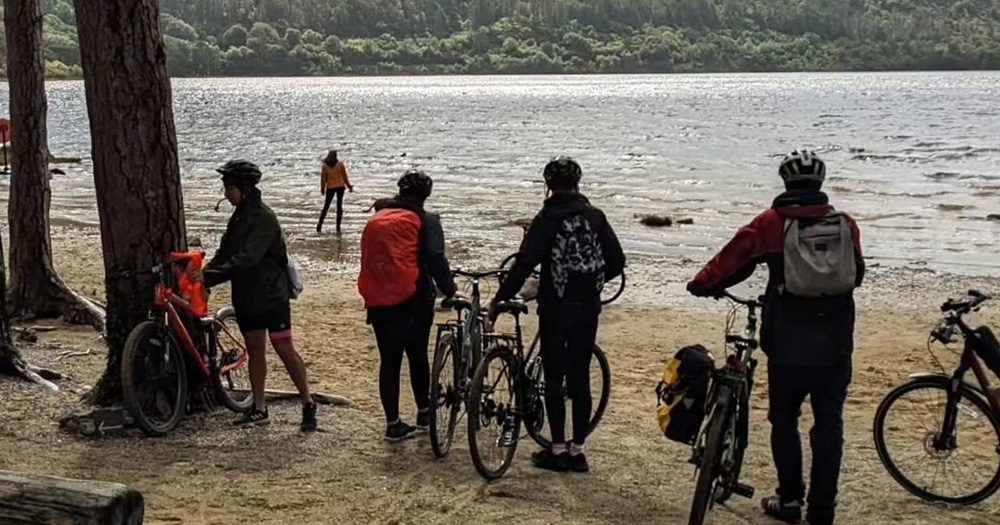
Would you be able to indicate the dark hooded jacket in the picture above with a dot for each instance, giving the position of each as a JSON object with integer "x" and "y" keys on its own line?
{"x": 536, "y": 249}
{"x": 253, "y": 256}
{"x": 795, "y": 330}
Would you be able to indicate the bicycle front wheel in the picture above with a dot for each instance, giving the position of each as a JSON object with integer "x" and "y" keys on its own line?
{"x": 494, "y": 421}
{"x": 446, "y": 398}
{"x": 154, "y": 378}
{"x": 231, "y": 378}
{"x": 600, "y": 390}
{"x": 963, "y": 468}
{"x": 710, "y": 468}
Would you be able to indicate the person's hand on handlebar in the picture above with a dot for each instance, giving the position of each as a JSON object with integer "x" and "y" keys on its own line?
{"x": 491, "y": 317}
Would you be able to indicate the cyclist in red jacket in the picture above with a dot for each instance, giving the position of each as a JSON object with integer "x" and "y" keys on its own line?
{"x": 808, "y": 338}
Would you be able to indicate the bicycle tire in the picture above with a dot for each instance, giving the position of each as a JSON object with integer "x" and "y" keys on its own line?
{"x": 734, "y": 475}
{"x": 708, "y": 470}
{"x": 142, "y": 333}
{"x": 936, "y": 383}
{"x": 446, "y": 346}
{"x": 599, "y": 407}
{"x": 475, "y": 406}
{"x": 222, "y": 392}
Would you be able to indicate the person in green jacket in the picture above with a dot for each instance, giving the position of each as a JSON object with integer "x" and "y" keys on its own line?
{"x": 252, "y": 255}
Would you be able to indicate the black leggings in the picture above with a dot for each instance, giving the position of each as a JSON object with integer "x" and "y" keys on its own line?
{"x": 399, "y": 330}
{"x": 330, "y": 192}
{"x": 567, "y": 348}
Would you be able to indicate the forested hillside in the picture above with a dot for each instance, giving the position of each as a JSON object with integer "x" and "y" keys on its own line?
{"x": 333, "y": 37}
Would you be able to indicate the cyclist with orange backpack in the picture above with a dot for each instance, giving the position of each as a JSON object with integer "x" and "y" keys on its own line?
{"x": 813, "y": 254}
{"x": 402, "y": 258}
{"x": 252, "y": 255}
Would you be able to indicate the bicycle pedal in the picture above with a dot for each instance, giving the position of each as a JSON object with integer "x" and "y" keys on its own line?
{"x": 743, "y": 491}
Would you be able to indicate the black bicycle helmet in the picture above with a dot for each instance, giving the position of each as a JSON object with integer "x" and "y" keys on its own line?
{"x": 243, "y": 173}
{"x": 801, "y": 167}
{"x": 415, "y": 183}
{"x": 562, "y": 171}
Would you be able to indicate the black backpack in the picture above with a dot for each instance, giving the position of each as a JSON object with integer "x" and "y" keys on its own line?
{"x": 577, "y": 260}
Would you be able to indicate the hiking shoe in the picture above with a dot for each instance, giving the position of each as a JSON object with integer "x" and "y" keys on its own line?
{"x": 546, "y": 460}
{"x": 788, "y": 511}
{"x": 253, "y": 418}
{"x": 309, "y": 423}
{"x": 578, "y": 463}
{"x": 424, "y": 421}
{"x": 399, "y": 431}
{"x": 819, "y": 515}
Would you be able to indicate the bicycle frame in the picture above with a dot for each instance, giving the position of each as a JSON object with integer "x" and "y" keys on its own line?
{"x": 945, "y": 440}
{"x": 168, "y": 302}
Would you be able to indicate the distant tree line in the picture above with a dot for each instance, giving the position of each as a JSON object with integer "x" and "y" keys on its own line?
{"x": 335, "y": 37}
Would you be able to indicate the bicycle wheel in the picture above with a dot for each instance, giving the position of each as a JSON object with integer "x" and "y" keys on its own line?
{"x": 231, "y": 379}
{"x": 446, "y": 398}
{"x": 600, "y": 389}
{"x": 907, "y": 425}
{"x": 154, "y": 379}
{"x": 739, "y": 450}
{"x": 494, "y": 421}
{"x": 711, "y": 465}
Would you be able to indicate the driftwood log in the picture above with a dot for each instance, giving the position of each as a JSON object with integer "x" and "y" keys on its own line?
{"x": 43, "y": 500}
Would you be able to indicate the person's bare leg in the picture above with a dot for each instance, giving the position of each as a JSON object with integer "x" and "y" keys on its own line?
{"x": 283, "y": 345}
{"x": 257, "y": 350}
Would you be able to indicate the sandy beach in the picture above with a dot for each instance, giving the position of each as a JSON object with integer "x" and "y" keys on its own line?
{"x": 207, "y": 472}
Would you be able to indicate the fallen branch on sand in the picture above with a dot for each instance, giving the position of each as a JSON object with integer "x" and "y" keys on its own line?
{"x": 323, "y": 399}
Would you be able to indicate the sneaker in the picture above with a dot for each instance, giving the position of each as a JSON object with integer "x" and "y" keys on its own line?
{"x": 578, "y": 463}
{"x": 819, "y": 515}
{"x": 253, "y": 418}
{"x": 399, "y": 431}
{"x": 546, "y": 460}
{"x": 789, "y": 511}
{"x": 309, "y": 423}
{"x": 424, "y": 421}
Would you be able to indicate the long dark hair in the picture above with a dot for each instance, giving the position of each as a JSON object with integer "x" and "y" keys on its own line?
{"x": 331, "y": 158}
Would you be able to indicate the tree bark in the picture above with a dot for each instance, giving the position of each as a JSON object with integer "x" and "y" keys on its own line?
{"x": 35, "y": 289}
{"x": 136, "y": 175}
{"x": 41, "y": 500}
{"x": 11, "y": 361}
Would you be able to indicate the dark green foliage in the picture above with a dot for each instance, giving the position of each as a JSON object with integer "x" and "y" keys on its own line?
{"x": 326, "y": 37}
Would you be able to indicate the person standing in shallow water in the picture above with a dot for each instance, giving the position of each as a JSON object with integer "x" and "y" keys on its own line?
{"x": 332, "y": 182}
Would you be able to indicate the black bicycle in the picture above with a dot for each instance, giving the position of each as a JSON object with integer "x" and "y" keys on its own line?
{"x": 938, "y": 435}
{"x": 510, "y": 387}
{"x": 719, "y": 450}
{"x": 456, "y": 353}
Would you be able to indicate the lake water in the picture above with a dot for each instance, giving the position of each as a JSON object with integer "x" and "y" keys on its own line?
{"x": 916, "y": 157}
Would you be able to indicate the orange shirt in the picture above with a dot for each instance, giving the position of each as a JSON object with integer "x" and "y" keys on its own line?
{"x": 335, "y": 177}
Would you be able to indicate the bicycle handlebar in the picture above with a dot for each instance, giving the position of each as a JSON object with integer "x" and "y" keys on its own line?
{"x": 973, "y": 299}
{"x": 752, "y": 303}
{"x": 480, "y": 275}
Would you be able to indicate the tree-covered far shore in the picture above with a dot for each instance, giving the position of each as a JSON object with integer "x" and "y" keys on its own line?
{"x": 360, "y": 37}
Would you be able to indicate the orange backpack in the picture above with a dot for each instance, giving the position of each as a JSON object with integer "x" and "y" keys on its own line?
{"x": 390, "y": 267}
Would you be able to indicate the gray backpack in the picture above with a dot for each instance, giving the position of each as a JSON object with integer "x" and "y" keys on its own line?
{"x": 819, "y": 256}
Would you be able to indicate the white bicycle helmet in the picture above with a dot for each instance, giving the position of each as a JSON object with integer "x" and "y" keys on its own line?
{"x": 802, "y": 167}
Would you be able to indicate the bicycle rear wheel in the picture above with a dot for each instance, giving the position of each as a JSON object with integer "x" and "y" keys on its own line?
{"x": 600, "y": 389}
{"x": 907, "y": 426}
{"x": 231, "y": 379}
{"x": 154, "y": 378}
{"x": 446, "y": 397}
{"x": 710, "y": 469}
{"x": 494, "y": 421}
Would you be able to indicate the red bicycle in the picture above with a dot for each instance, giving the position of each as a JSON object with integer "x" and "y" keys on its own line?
{"x": 180, "y": 344}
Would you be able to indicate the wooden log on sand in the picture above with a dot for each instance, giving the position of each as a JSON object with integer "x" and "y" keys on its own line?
{"x": 43, "y": 500}
{"x": 323, "y": 399}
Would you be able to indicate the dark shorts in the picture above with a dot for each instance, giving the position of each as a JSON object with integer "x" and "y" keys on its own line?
{"x": 277, "y": 321}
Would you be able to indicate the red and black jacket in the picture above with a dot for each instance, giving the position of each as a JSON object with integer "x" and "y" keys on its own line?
{"x": 795, "y": 330}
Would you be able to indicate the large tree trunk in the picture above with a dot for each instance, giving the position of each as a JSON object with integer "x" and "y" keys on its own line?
{"x": 135, "y": 159}
{"x": 11, "y": 362}
{"x": 35, "y": 289}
